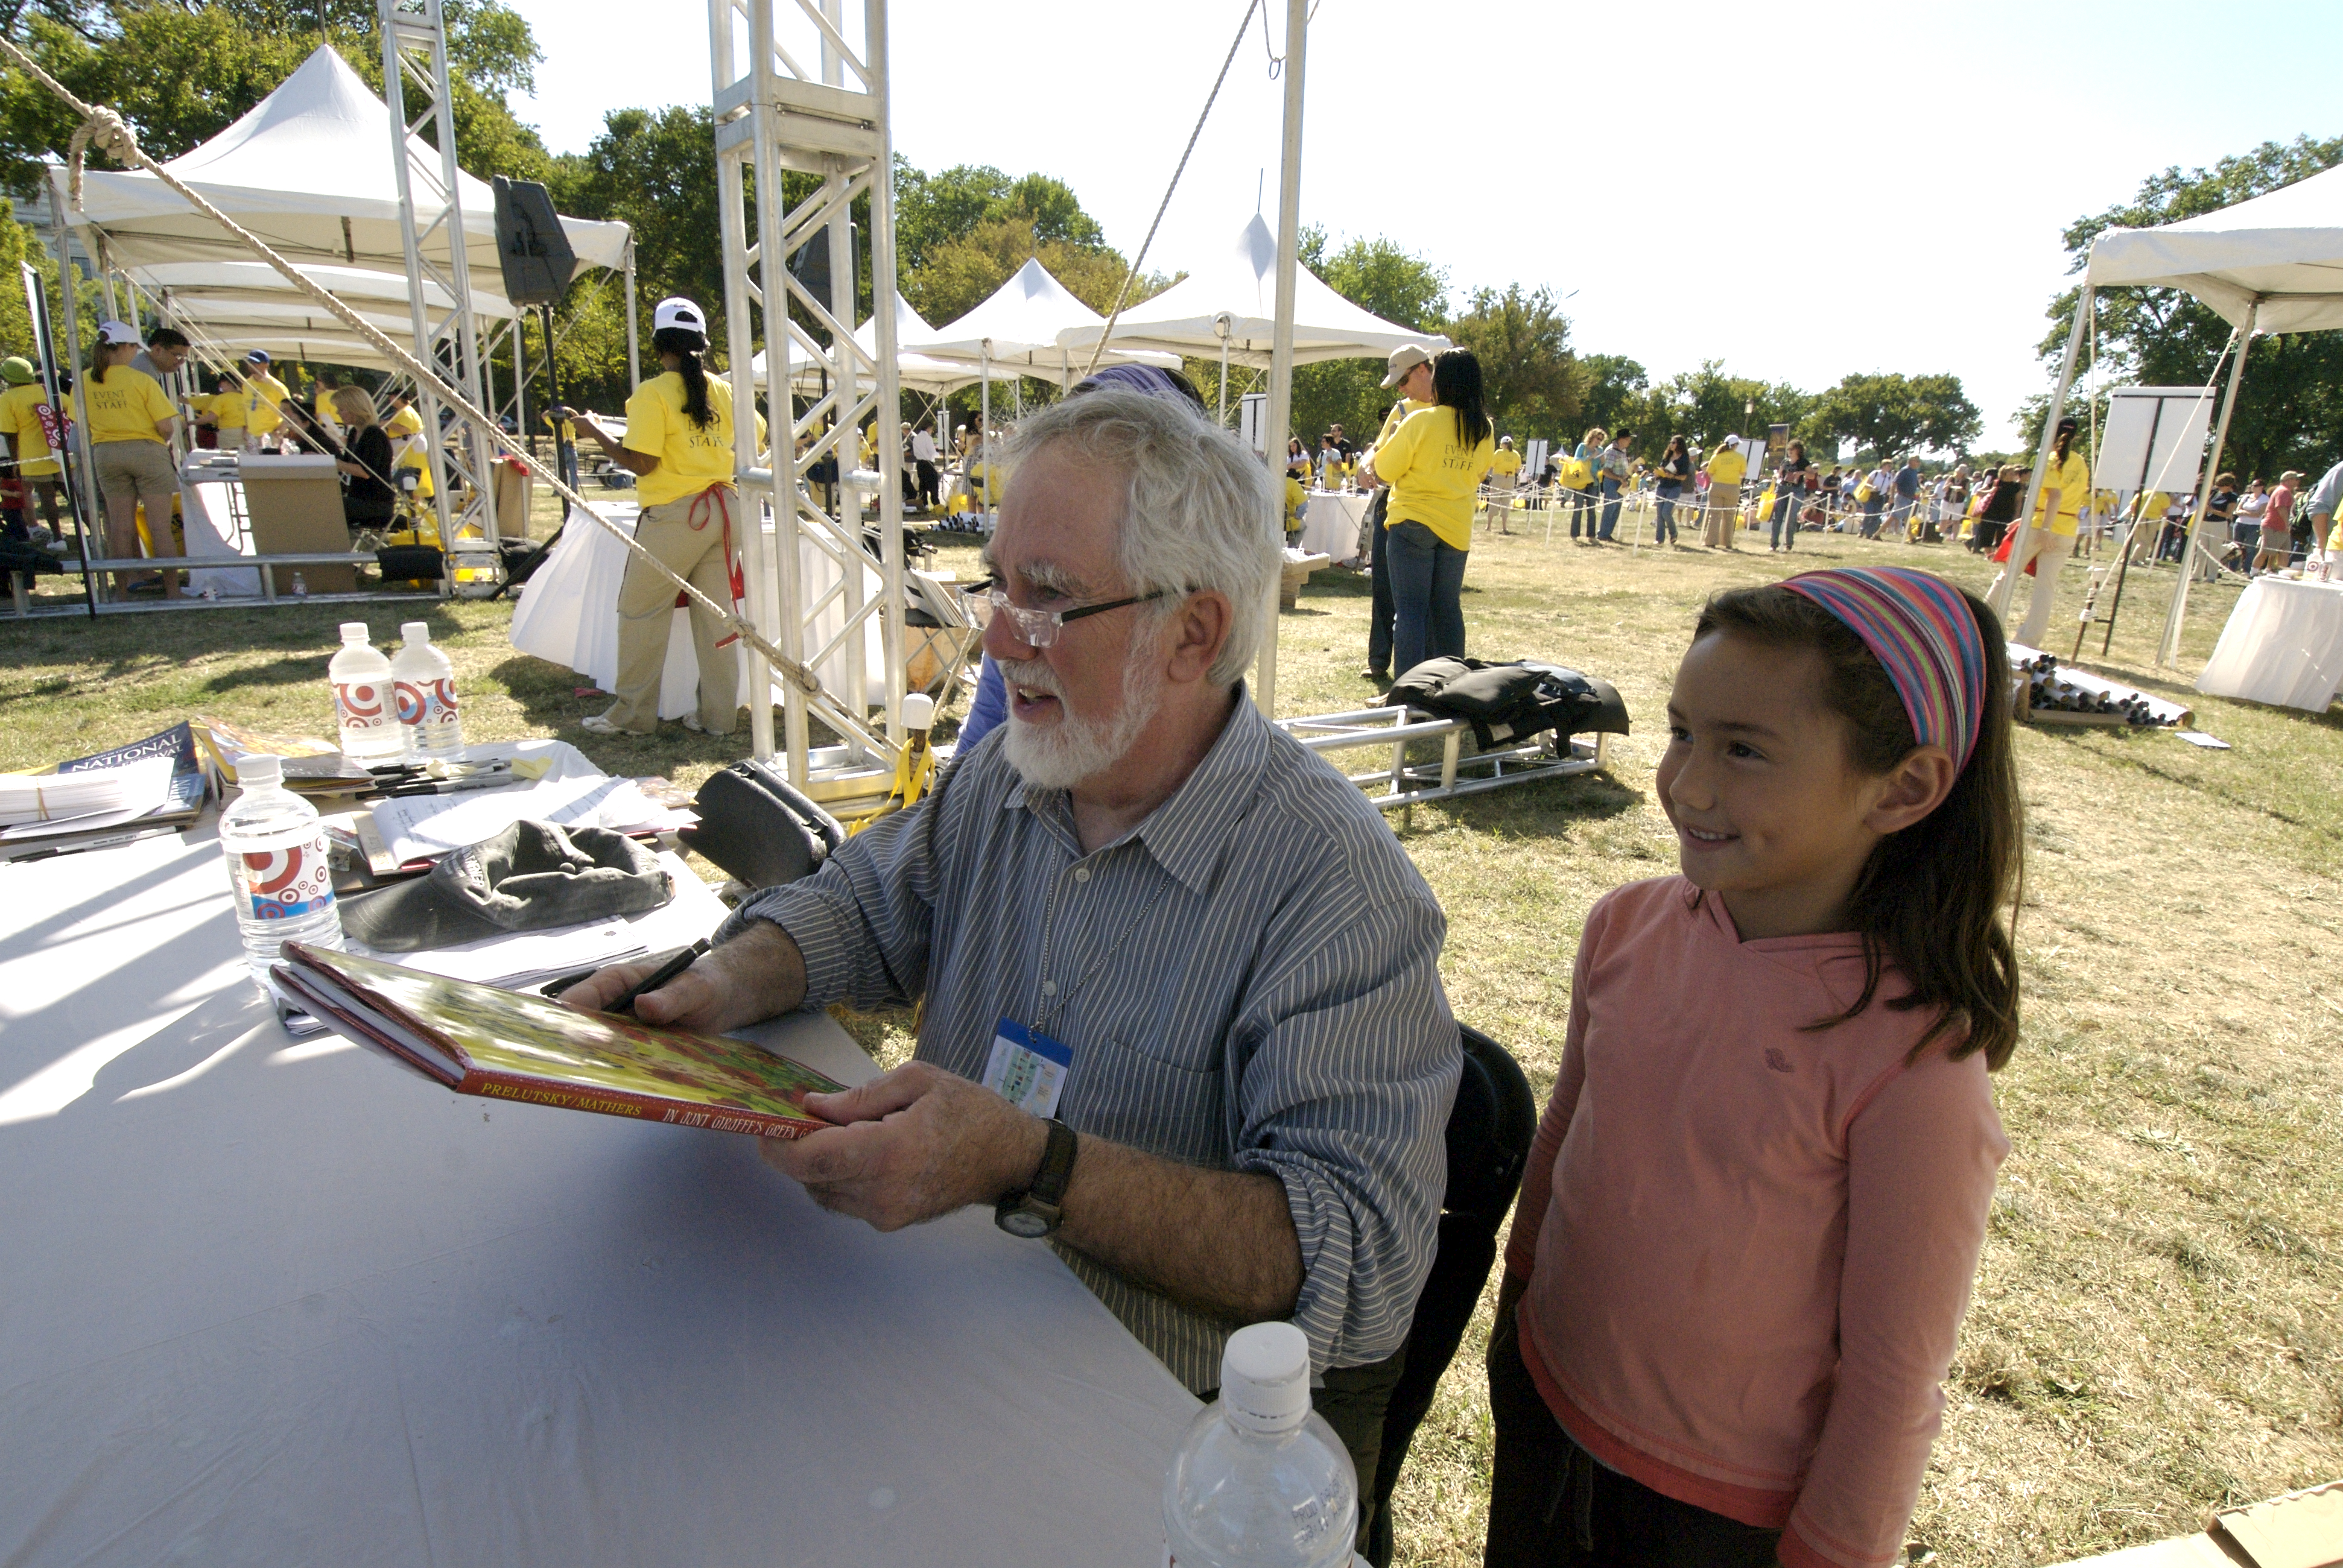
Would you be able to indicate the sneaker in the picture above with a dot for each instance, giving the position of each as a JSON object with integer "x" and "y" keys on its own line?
{"x": 599, "y": 724}
{"x": 1373, "y": 674}
{"x": 691, "y": 722}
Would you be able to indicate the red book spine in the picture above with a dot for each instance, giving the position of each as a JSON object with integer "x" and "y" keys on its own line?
{"x": 641, "y": 1106}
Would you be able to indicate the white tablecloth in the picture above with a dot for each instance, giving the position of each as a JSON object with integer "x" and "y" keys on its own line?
{"x": 209, "y": 501}
{"x": 2283, "y": 645}
{"x": 1330, "y": 525}
{"x": 268, "y": 1301}
{"x": 569, "y": 614}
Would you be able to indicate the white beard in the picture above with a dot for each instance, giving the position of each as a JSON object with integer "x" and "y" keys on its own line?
{"x": 1062, "y": 755}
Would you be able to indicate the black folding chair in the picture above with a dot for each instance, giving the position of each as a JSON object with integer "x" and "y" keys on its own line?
{"x": 1489, "y": 1135}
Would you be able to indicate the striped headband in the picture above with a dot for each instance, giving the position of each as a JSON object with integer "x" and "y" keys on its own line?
{"x": 1920, "y": 627}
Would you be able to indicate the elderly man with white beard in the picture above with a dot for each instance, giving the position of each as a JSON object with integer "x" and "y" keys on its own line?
{"x": 1182, "y": 1013}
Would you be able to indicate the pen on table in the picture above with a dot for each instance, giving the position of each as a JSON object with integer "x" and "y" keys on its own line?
{"x": 448, "y": 786}
{"x": 661, "y": 976}
{"x": 106, "y": 843}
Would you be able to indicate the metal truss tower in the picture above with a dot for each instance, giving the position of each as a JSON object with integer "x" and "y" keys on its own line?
{"x": 440, "y": 296}
{"x": 807, "y": 587}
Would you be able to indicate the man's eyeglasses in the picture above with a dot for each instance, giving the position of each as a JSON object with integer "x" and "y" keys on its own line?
{"x": 1036, "y": 628}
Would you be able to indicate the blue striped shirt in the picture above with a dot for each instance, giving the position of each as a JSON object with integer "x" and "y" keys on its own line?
{"x": 1248, "y": 979}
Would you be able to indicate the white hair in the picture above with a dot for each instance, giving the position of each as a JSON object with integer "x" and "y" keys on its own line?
{"x": 1198, "y": 512}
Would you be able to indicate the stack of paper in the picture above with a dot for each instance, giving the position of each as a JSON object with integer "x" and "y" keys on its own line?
{"x": 123, "y": 792}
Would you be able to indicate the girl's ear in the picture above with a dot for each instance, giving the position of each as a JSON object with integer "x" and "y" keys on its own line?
{"x": 1912, "y": 789}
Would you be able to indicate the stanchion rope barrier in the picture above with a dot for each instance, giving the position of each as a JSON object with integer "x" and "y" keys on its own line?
{"x": 105, "y": 128}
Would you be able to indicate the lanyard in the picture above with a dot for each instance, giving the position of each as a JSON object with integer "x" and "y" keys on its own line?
{"x": 697, "y": 519}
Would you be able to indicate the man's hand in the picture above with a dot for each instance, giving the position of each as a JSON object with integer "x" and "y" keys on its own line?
{"x": 917, "y": 1144}
{"x": 754, "y": 976}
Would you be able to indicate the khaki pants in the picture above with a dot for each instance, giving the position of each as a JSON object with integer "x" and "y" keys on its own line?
{"x": 128, "y": 473}
{"x": 2048, "y": 552}
{"x": 1501, "y": 504}
{"x": 646, "y": 607}
{"x": 1721, "y": 518}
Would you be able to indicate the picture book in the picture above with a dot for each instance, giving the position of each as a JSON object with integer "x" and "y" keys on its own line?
{"x": 514, "y": 1045}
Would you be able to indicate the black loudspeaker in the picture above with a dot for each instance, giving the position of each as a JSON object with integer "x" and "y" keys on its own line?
{"x": 531, "y": 245}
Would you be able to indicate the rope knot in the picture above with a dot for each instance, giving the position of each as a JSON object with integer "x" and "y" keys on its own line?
{"x": 113, "y": 137}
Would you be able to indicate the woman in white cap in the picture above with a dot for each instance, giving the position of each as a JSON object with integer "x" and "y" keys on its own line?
{"x": 678, "y": 445}
{"x": 130, "y": 425}
{"x": 1722, "y": 512}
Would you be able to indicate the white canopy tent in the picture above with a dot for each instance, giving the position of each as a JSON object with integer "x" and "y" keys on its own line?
{"x": 2270, "y": 264}
{"x": 245, "y": 305}
{"x": 1023, "y": 328}
{"x": 1229, "y": 310}
{"x": 309, "y": 171}
{"x": 919, "y": 373}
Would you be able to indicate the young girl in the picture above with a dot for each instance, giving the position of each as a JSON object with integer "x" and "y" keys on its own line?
{"x": 1756, "y": 1201}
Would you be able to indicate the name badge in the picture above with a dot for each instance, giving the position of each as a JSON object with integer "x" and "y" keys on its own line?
{"x": 1026, "y": 1069}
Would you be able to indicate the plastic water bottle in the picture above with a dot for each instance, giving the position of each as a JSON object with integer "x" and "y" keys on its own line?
{"x": 362, "y": 700}
{"x": 280, "y": 868}
{"x": 1262, "y": 1481}
{"x": 300, "y": 586}
{"x": 425, "y": 684}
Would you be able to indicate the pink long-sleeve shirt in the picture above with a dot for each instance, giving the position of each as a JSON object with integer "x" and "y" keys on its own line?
{"x": 1749, "y": 1246}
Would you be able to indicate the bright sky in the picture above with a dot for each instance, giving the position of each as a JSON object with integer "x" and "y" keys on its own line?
{"x": 1869, "y": 187}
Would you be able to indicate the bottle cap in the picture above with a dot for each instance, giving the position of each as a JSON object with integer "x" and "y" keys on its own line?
{"x": 1265, "y": 1378}
{"x": 357, "y": 631}
{"x": 918, "y": 711}
{"x": 415, "y": 631}
{"x": 261, "y": 770}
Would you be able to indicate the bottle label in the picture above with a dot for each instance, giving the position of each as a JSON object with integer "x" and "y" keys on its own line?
{"x": 361, "y": 704}
{"x": 285, "y": 884}
{"x": 427, "y": 702}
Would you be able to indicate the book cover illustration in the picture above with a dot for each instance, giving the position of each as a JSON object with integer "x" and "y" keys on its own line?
{"x": 515, "y": 1045}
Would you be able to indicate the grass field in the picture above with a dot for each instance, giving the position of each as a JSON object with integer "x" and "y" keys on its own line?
{"x": 2158, "y": 1321}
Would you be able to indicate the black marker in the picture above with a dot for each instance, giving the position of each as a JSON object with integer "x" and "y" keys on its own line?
{"x": 661, "y": 976}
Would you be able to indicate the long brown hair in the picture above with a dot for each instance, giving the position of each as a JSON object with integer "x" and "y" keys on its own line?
{"x": 1930, "y": 899}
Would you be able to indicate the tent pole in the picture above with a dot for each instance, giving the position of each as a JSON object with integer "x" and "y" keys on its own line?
{"x": 2168, "y": 648}
{"x": 634, "y": 340}
{"x": 1281, "y": 352}
{"x": 74, "y": 459}
{"x": 2015, "y": 567}
{"x": 984, "y": 416}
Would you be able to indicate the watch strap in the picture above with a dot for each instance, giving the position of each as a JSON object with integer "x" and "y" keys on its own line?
{"x": 1057, "y": 1172}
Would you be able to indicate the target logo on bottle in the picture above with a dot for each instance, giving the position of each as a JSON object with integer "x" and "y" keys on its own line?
{"x": 426, "y": 702}
{"x": 362, "y": 704}
{"x": 285, "y": 884}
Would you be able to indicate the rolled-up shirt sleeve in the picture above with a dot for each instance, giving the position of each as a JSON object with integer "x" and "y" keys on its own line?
{"x": 863, "y": 922}
{"x": 1349, "y": 1069}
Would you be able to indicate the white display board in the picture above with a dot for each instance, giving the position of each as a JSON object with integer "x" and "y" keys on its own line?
{"x": 1253, "y": 412}
{"x": 1533, "y": 461}
{"x": 2153, "y": 438}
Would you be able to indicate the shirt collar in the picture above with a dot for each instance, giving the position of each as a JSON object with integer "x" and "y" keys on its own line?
{"x": 1187, "y": 833}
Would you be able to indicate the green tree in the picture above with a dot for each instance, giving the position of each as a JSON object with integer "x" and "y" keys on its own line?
{"x": 1615, "y": 388}
{"x": 656, "y": 172}
{"x": 1534, "y": 384}
{"x": 181, "y": 75}
{"x": 933, "y": 210}
{"x": 2289, "y": 410}
{"x": 1890, "y": 415}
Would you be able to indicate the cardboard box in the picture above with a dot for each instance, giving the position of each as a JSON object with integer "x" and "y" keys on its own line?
{"x": 295, "y": 503}
{"x": 2300, "y": 1529}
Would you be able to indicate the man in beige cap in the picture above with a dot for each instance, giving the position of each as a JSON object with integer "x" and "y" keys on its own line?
{"x": 1409, "y": 373}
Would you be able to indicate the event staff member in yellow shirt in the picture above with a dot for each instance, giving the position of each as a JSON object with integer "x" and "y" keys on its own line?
{"x": 1721, "y": 518}
{"x": 1409, "y": 372}
{"x": 224, "y": 411}
{"x": 678, "y": 446}
{"x": 264, "y": 394}
{"x": 130, "y": 427}
{"x": 28, "y": 439}
{"x": 404, "y": 426}
{"x": 1504, "y": 473}
{"x": 1434, "y": 463}
{"x": 2066, "y": 487}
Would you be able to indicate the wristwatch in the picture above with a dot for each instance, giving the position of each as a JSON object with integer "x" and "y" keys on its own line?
{"x": 1035, "y": 1211}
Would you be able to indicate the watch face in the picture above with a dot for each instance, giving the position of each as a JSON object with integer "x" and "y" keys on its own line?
{"x": 1026, "y": 1223}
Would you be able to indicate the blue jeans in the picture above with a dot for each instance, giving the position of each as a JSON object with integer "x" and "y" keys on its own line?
{"x": 1663, "y": 531}
{"x": 1610, "y": 508}
{"x": 1784, "y": 531}
{"x": 1582, "y": 504}
{"x": 1427, "y": 579}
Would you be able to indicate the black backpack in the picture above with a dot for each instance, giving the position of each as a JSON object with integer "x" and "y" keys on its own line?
{"x": 1510, "y": 702}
